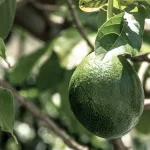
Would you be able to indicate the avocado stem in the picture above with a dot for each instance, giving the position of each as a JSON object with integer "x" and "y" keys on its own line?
{"x": 110, "y": 9}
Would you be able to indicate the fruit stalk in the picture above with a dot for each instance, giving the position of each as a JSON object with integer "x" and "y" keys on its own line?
{"x": 110, "y": 9}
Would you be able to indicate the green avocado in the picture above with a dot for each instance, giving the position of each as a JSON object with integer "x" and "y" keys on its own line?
{"x": 106, "y": 95}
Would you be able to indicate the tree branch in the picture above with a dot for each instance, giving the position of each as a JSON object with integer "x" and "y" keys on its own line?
{"x": 118, "y": 144}
{"x": 50, "y": 123}
{"x": 142, "y": 57}
{"x": 77, "y": 23}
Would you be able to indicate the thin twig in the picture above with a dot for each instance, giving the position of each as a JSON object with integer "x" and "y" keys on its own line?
{"x": 118, "y": 144}
{"x": 141, "y": 57}
{"x": 77, "y": 23}
{"x": 50, "y": 123}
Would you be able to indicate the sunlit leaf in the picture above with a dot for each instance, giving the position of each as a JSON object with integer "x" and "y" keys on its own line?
{"x": 121, "y": 34}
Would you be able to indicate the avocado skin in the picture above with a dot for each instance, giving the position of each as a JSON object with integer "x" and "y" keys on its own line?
{"x": 106, "y": 95}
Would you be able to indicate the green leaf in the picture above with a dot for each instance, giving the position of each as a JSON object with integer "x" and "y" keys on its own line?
{"x": 1, "y": 1}
{"x": 7, "y": 13}
{"x": 148, "y": 1}
{"x": 50, "y": 73}
{"x": 6, "y": 111}
{"x": 146, "y": 6}
{"x": 2, "y": 49}
{"x": 25, "y": 65}
{"x": 143, "y": 124}
{"x": 121, "y": 34}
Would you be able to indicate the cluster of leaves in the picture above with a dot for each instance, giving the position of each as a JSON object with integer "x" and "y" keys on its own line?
{"x": 7, "y": 13}
{"x": 45, "y": 83}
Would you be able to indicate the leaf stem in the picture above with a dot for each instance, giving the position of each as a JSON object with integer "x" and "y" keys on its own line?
{"x": 110, "y": 9}
{"x": 7, "y": 63}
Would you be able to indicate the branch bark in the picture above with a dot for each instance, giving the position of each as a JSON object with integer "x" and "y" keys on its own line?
{"x": 78, "y": 25}
{"x": 50, "y": 123}
{"x": 118, "y": 144}
{"x": 141, "y": 57}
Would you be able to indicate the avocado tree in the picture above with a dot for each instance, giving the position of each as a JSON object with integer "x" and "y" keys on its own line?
{"x": 89, "y": 70}
{"x": 105, "y": 94}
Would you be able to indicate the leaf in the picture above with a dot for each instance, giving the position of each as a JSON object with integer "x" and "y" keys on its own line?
{"x": 7, "y": 111}
{"x": 147, "y": 1}
{"x": 2, "y": 49}
{"x": 91, "y": 5}
{"x": 50, "y": 73}
{"x": 146, "y": 5}
{"x": 143, "y": 124}
{"x": 7, "y": 13}
{"x": 121, "y": 34}
{"x": 25, "y": 65}
{"x": 1, "y": 1}
{"x": 139, "y": 143}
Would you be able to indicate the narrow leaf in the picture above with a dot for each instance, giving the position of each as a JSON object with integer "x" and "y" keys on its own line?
{"x": 2, "y": 49}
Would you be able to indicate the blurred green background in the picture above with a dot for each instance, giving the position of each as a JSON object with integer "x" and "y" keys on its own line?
{"x": 44, "y": 47}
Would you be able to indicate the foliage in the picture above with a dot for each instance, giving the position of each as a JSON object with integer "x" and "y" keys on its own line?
{"x": 43, "y": 76}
